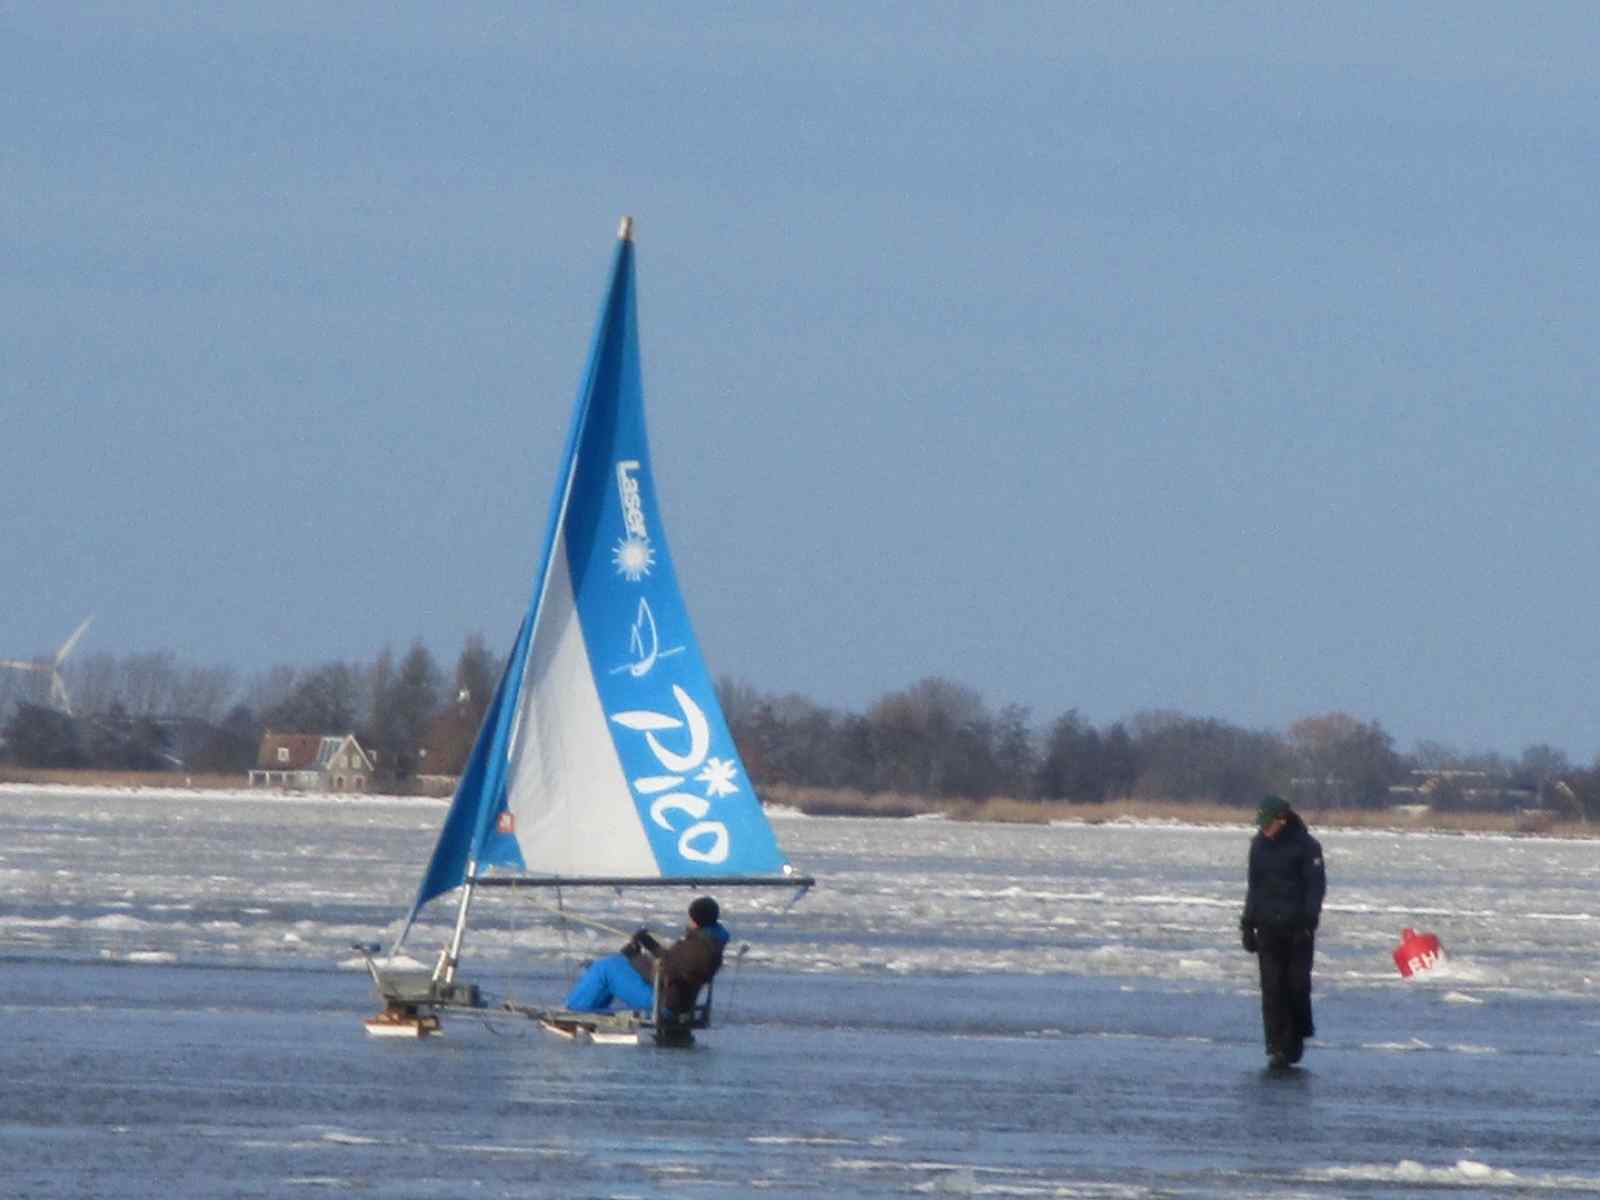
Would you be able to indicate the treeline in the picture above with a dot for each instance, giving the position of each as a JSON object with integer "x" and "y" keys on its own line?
{"x": 153, "y": 712}
{"x": 938, "y": 738}
{"x": 935, "y": 738}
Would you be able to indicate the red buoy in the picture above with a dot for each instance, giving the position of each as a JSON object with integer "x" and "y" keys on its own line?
{"x": 1417, "y": 952}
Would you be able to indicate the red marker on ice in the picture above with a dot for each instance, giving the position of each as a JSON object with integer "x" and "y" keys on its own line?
{"x": 1417, "y": 952}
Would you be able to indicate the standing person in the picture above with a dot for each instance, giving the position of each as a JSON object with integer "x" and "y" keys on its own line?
{"x": 1279, "y": 926}
{"x": 684, "y": 967}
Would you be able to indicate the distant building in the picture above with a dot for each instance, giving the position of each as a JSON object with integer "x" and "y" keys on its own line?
{"x": 312, "y": 762}
{"x": 1463, "y": 790}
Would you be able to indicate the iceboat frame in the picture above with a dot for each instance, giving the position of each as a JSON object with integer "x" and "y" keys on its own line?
{"x": 626, "y": 1027}
{"x": 413, "y": 998}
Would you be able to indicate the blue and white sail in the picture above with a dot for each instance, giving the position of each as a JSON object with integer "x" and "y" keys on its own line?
{"x": 605, "y": 752}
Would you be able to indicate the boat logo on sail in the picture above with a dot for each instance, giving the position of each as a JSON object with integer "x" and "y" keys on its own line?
{"x": 644, "y": 642}
{"x": 701, "y": 840}
{"x": 633, "y": 554}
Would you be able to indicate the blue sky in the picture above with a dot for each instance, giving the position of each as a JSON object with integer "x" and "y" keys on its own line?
{"x": 1233, "y": 359}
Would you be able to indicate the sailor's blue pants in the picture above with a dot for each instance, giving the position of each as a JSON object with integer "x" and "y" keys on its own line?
{"x": 607, "y": 980}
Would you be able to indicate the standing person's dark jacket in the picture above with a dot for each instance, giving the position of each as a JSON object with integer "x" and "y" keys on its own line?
{"x": 1287, "y": 880}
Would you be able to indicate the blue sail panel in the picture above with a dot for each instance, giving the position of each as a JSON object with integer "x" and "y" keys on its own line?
{"x": 605, "y": 751}
{"x": 480, "y": 794}
{"x": 691, "y": 793}
{"x": 623, "y": 763}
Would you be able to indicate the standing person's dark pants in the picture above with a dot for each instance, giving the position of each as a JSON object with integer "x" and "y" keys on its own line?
{"x": 1285, "y": 959}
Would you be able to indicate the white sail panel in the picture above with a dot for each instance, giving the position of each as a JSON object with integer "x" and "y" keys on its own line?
{"x": 571, "y": 807}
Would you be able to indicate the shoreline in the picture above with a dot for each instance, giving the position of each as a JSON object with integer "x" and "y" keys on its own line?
{"x": 817, "y": 802}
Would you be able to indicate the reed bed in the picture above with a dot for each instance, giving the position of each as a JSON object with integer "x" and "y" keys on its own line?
{"x": 192, "y": 780}
{"x": 847, "y": 802}
{"x": 823, "y": 802}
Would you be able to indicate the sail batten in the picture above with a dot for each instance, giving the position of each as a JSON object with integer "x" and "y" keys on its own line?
{"x": 605, "y": 757}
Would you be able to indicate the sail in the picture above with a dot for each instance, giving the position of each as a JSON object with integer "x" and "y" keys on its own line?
{"x": 605, "y": 751}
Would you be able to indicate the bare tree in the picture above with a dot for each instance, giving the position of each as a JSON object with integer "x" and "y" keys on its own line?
{"x": 413, "y": 700}
{"x": 204, "y": 692}
{"x": 935, "y": 738}
{"x": 325, "y": 700}
{"x": 1200, "y": 758}
{"x": 95, "y": 682}
{"x": 149, "y": 684}
{"x": 1341, "y": 760}
{"x": 270, "y": 688}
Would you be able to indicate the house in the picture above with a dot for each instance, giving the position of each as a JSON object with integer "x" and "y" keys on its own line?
{"x": 312, "y": 762}
{"x": 1463, "y": 790}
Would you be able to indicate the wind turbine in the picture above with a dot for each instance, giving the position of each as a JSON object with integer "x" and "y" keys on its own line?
{"x": 58, "y": 687}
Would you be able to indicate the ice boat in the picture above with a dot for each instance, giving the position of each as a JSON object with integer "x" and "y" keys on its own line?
{"x": 604, "y": 759}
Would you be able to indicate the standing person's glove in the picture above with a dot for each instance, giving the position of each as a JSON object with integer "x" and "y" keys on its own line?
{"x": 1247, "y": 935}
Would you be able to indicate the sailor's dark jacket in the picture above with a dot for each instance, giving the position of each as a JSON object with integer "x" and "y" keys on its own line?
{"x": 685, "y": 966}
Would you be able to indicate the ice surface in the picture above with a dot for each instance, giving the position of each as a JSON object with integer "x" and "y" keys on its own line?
{"x": 267, "y": 877}
{"x": 955, "y": 1009}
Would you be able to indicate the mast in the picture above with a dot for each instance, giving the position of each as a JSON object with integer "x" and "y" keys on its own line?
{"x": 508, "y": 719}
{"x": 450, "y": 957}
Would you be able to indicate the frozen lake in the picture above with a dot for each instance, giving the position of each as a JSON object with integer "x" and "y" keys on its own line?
{"x": 956, "y": 1010}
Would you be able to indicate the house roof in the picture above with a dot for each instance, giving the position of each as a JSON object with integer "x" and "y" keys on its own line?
{"x": 307, "y": 751}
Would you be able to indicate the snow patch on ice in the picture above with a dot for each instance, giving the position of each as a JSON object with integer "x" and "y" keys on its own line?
{"x": 1460, "y": 998}
{"x": 1452, "y": 970}
{"x": 322, "y": 1181}
{"x": 348, "y": 1139}
{"x": 1400, "y": 1047}
{"x": 44, "y": 923}
{"x": 400, "y": 962}
{"x": 1465, "y": 1173}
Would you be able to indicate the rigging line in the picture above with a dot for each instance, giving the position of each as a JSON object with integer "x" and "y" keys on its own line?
{"x": 568, "y": 958}
{"x": 498, "y": 1032}
{"x": 738, "y": 962}
{"x": 579, "y": 919}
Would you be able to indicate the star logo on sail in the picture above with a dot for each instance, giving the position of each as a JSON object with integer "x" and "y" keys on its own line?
{"x": 633, "y": 557}
{"x": 633, "y": 554}
{"x": 718, "y": 777}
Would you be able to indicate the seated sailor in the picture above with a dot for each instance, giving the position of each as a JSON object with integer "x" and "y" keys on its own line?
{"x": 684, "y": 967}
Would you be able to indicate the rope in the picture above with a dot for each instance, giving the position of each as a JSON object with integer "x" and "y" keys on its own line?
{"x": 565, "y": 918}
{"x": 738, "y": 962}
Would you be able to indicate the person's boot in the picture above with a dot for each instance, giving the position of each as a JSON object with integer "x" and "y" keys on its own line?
{"x": 1277, "y": 1060}
{"x": 1296, "y": 1051}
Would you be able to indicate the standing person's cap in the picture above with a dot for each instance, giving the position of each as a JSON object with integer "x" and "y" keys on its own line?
{"x": 704, "y": 911}
{"x": 1271, "y": 808}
